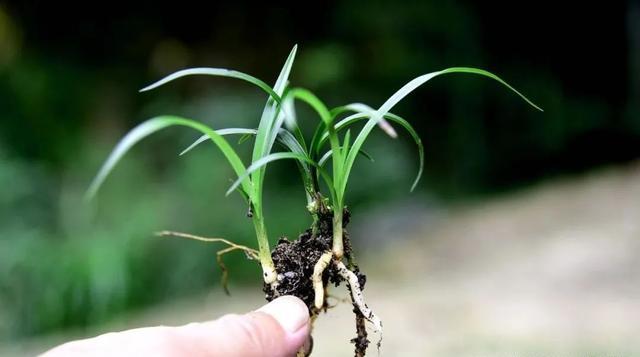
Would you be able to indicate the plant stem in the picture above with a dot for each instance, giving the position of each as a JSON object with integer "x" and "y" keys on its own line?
{"x": 269, "y": 273}
{"x": 338, "y": 247}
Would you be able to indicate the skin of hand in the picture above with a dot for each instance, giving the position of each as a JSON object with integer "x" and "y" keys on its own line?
{"x": 279, "y": 328}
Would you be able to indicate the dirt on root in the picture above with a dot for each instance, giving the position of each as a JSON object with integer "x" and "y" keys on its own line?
{"x": 295, "y": 261}
{"x": 360, "y": 341}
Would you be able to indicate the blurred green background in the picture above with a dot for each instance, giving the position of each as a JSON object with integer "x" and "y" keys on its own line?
{"x": 68, "y": 91}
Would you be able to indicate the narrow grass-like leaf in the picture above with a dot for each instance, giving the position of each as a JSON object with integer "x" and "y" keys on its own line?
{"x": 345, "y": 143}
{"x": 363, "y": 108}
{"x": 409, "y": 128}
{"x": 314, "y": 102}
{"x": 151, "y": 126}
{"x": 328, "y": 154}
{"x": 270, "y": 112}
{"x": 259, "y": 164}
{"x": 220, "y": 72}
{"x": 285, "y": 138}
{"x": 291, "y": 118}
{"x": 283, "y": 77}
{"x": 342, "y": 124}
{"x": 291, "y": 142}
{"x": 398, "y": 96}
{"x": 418, "y": 81}
{"x": 244, "y": 138}
{"x": 268, "y": 127}
{"x": 345, "y": 122}
{"x": 327, "y": 120}
{"x": 228, "y": 131}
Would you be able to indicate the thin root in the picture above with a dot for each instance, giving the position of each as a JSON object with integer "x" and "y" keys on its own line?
{"x": 250, "y": 253}
{"x": 338, "y": 300}
{"x": 318, "y": 287}
{"x": 357, "y": 295}
{"x": 223, "y": 268}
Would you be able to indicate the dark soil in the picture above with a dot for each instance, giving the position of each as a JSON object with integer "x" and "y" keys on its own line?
{"x": 360, "y": 341}
{"x": 295, "y": 260}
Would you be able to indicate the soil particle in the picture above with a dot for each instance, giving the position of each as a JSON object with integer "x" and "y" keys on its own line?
{"x": 295, "y": 260}
{"x": 360, "y": 341}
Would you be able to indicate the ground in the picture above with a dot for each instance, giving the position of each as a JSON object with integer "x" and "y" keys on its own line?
{"x": 550, "y": 271}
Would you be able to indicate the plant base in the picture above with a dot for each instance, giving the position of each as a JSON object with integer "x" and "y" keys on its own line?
{"x": 295, "y": 262}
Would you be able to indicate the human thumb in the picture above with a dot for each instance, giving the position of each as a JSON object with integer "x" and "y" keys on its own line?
{"x": 279, "y": 328}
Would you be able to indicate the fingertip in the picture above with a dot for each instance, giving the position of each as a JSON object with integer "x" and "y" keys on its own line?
{"x": 279, "y": 328}
{"x": 292, "y": 315}
{"x": 289, "y": 311}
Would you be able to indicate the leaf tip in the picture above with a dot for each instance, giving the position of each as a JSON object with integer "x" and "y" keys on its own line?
{"x": 91, "y": 192}
{"x": 388, "y": 129}
{"x": 88, "y": 196}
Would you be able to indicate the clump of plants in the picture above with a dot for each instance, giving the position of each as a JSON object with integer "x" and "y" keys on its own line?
{"x": 323, "y": 254}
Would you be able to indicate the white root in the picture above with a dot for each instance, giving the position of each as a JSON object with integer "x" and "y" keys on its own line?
{"x": 269, "y": 272}
{"x": 357, "y": 295}
{"x": 270, "y": 277}
{"x": 318, "y": 287}
{"x": 249, "y": 252}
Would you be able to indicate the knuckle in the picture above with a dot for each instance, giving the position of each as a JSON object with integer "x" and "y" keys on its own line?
{"x": 255, "y": 331}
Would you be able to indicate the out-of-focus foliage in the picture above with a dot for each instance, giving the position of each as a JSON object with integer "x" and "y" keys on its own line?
{"x": 68, "y": 91}
{"x": 65, "y": 262}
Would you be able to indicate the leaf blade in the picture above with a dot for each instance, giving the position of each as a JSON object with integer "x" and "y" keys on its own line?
{"x": 397, "y": 97}
{"x": 226, "y": 131}
{"x": 218, "y": 72}
{"x": 259, "y": 164}
{"x": 151, "y": 126}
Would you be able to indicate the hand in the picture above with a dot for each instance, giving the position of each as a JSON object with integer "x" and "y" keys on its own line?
{"x": 280, "y": 328}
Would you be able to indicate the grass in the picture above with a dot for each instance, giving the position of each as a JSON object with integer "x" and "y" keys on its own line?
{"x": 325, "y": 162}
{"x": 251, "y": 187}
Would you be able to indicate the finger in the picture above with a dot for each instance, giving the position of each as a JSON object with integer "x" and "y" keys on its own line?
{"x": 279, "y": 328}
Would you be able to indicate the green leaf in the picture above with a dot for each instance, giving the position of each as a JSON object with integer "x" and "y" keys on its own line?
{"x": 269, "y": 125}
{"x": 342, "y": 124}
{"x": 283, "y": 77}
{"x": 398, "y": 96}
{"x": 290, "y": 119}
{"x": 314, "y": 102}
{"x": 151, "y": 126}
{"x": 363, "y": 108}
{"x": 257, "y": 165}
{"x": 418, "y": 81}
{"x": 345, "y": 143}
{"x": 220, "y": 72}
{"x": 324, "y": 135}
{"x": 405, "y": 124}
{"x": 285, "y": 138}
{"x": 326, "y": 118}
{"x": 291, "y": 143}
{"x": 328, "y": 154}
{"x": 229, "y": 131}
